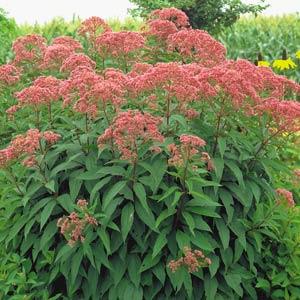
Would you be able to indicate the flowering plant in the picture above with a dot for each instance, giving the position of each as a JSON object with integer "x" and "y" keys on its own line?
{"x": 169, "y": 148}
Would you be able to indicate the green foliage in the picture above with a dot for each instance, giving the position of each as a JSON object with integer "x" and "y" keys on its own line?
{"x": 8, "y": 33}
{"x": 267, "y": 35}
{"x": 59, "y": 27}
{"x": 211, "y": 15}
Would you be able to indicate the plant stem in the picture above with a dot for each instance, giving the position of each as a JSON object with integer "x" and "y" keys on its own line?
{"x": 184, "y": 194}
{"x": 263, "y": 144}
{"x": 50, "y": 114}
{"x": 14, "y": 181}
{"x": 37, "y": 118}
{"x": 87, "y": 131}
{"x": 217, "y": 135}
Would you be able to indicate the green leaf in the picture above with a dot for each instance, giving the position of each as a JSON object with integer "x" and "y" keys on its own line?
{"x": 76, "y": 262}
{"x": 159, "y": 272}
{"x": 66, "y": 202}
{"x": 219, "y": 167}
{"x": 224, "y": 233}
{"x": 214, "y": 266}
{"x": 203, "y": 211}
{"x": 234, "y": 281}
{"x": 183, "y": 240}
{"x": 222, "y": 145}
{"x": 144, "y": 216}
{"x": 210, "y": 287}
{"x": 160, "y": 242}
{"x": 104, "y": 238}
{"x": 50, "y": 231}
{"x": 87, "y": 250}
{"x": 263, "y": 284}
{"x": 50, "y": 185}
{"x": 74, "y": 186}
{"x": 227, "y": 200}
{"x": 98, "y": 186}
{"x": 115, "y": 190}
{"x": 236, "y": 171}
{"x": 189, "y": 221}
{"x": 114, "y": 170}
{"x": 201, "y": 199}
{"x": 141, "y": 194}
{"x": 149, "y": 262}
{"x": 126, "y": 220}
{"x": 90, "y": 175}
{"x": 201, "y": 241}
{"x": 46, "y": 212}
{"x": 134, "y": 264}
{"x": 202, "y": 182}
{"x": 164, "y": 215}
{"x": 168, "y": 193}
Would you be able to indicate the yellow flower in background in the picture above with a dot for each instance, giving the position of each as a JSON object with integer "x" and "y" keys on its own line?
{"x": 298, "y": 54}
{"x": 263, "y": 63}
{"x": 284, "y": 64}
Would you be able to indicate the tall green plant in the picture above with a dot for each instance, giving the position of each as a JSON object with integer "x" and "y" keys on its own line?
{"x": 151, "y": 181}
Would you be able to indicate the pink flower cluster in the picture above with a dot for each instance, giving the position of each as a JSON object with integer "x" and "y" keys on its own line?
{"x": 192, "y": 259}
{"x": 164, "y": 22}
{"x": 88, "y": 91}
{"x": 189, "y": 145}
{"x": 167, "y": 78}
{"x": 161, "y": 29}
{"x": 119, "y": 44}
{"x": 26, "y": 145}
{"x": 197, "y": 45}
{"x": 68, "y": 42}
{"x": 285, "y": 197}
{"x": 74, "y": 225}
{"x": 29, "y": 49}
{"x": 9, "y": 74}
{"x": 129, "y": 130}
{"x": 77, "y": 60}
{"x": 92, "y": 27}
{"x": 285, "y": 114}
{"x": 174, "y": 15}
{"x": 62, "y": 47}
{"x": 43, "y": 91}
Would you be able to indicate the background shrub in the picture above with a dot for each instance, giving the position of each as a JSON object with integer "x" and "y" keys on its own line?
{"x": 211, "y": 15}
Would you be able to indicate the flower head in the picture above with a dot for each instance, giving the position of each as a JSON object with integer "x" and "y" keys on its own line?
{"x": 286, "y": 196}
{"x": 44, "y": 90}
{"x": 55, "y": 55}
{"x": 192, "y": 259}
{"x": 75, "y": 60}
{"x": 92, "y": 27}
{"x": 284, "y": 64}
{"x": 68, "y": 42}
{"x": 130, "y": 129}
{"x": 74, "y": 225}
{"x": 197, "y": 45}
{"x": 263, "y": 63}
{"x": 189, "y": 147}
{"x": 9, "y": 74}
{"x": 161, "y": 29}
{"x": 29, "y": 48}
{"x": 174, "y": 15}
{"x": 121, "y": 43}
